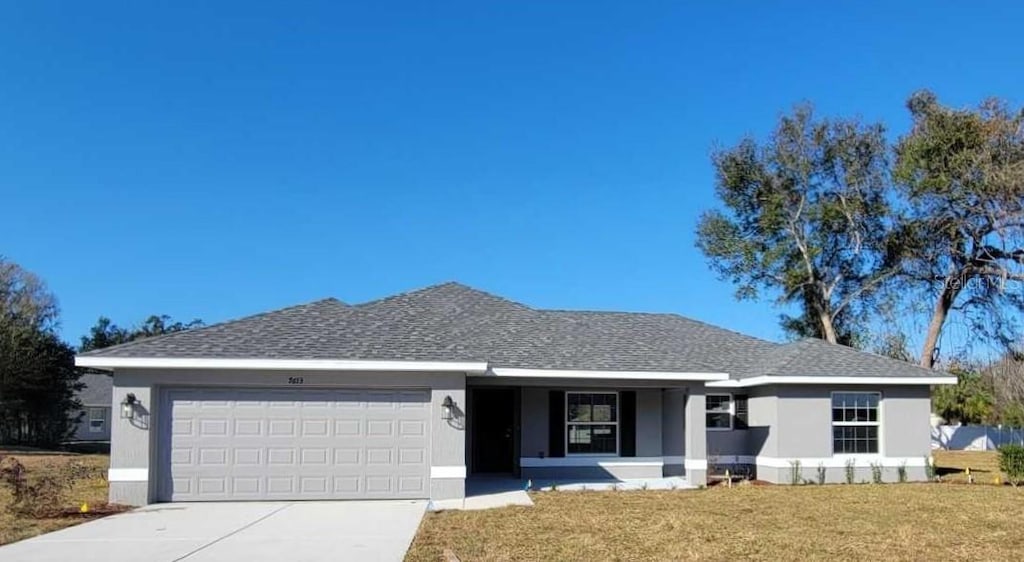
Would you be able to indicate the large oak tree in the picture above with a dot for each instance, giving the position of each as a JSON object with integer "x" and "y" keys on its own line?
{"x": 805, "y": 218}
{"x": 960, "y": 243}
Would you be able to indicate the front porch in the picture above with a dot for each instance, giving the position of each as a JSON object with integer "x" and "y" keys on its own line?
{"x": 488, "y": 492}
{"x": 585, "y": 433}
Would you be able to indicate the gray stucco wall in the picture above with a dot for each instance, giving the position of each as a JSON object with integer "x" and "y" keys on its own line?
{"x": 762, "y": 434}
{"x": 804, "y": 420}
{"x": 134, "y": 442}
{"x": 795, "y": 422}
{"x": 906, "y": 421}
{"x": 727, "y": 442}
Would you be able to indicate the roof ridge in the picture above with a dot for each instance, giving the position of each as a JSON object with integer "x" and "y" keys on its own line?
{"x": 171, "y": 335}
{"x": 589, "y": 311}
{"x": 437, "y": 286}
{"x": 404, "y": 294}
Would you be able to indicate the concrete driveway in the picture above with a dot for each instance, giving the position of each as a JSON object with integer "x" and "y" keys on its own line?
{"x": 251, "y": 531}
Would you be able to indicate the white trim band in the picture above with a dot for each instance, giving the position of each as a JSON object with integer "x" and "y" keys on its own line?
{"x": 695, "y": 464}
{"x": 128, "y": 475}
{"x": 838, "y": 461}
{"x": 458, "y": 471}
{"x": 583, "y": 374}
{"x": 777, "y": 379}
{"x": 276, "y": 364}
{"x": 592, "y": 461}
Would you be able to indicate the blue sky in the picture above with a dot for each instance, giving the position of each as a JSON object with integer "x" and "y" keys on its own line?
{"x": 216, "y": 161}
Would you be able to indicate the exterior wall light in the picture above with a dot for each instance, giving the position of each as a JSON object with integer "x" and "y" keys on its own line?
{"x": 447, "y": 408}
{"x": 128, "y": 406}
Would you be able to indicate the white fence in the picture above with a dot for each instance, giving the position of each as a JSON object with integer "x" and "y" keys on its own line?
{"x": 975, "y": 437}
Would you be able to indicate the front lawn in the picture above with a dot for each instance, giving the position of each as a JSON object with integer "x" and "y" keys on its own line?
{"x": 80, "y": 479}
{"x": 850, "y": 522}
{"x": 953, "y": 465}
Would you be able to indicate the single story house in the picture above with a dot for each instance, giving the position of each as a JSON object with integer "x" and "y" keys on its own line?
{"x": 94, "y": 417}
{"x": 406, "y": 396}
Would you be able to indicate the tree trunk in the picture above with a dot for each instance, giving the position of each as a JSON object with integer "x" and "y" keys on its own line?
{"x": 951, "y": 288}
{"x": 827, "y": 328}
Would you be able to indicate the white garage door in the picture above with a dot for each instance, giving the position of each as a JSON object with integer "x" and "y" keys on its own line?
{"x": 295, "y": 444}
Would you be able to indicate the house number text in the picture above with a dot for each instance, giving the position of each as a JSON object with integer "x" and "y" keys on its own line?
{"x": 295, "y": 380}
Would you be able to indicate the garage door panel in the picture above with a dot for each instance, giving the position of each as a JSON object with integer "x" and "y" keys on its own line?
{"x": 296, "y": 444}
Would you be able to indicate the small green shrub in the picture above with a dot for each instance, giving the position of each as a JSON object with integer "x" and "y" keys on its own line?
{"x": 821, "y": 473}
{"x": 876, "y": 472}
{"x": 850, "y": 472}
{"x": 794, "y": 473}
{"x": 1011, "y": 462}
{"x": 901, "y": 472}
{"x": 929, "y": 469}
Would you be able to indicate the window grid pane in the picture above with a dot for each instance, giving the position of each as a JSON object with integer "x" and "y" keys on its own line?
{"x": 593, "y": 438}
{"x": 718, "y": 420}
{"x": 592, "y": 423}
{"x": 591, "y": 407}
{"x": 717, "y": 403}
{"x": 855, "y": 422}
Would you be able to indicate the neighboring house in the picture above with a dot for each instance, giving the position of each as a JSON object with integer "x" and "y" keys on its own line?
{"x": 94, "y": 423}
{"x": 405, "y": 396}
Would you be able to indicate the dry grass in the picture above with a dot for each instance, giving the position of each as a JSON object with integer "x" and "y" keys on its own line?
{"x": 841, "y": 522}
{"x": 15, "y": 527}
{"x": 952, "y": 465}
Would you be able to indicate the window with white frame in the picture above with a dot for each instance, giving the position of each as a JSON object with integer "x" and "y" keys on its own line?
{"x": 855, "y": 422}
{"x": 97, "y": 419}
{"x": 592, "y": 423}
{"x": 719, "y": 411}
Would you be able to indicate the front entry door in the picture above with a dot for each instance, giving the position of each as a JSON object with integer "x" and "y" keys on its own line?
{"x": 493, "y": 423}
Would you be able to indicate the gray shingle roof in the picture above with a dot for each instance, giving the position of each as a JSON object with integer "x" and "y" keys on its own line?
{"x": 813, "y": 357}
{"x": 98, "y": 391}
{"x": 453, "y": 322}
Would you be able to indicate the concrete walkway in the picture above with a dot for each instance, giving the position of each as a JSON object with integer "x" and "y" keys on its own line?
{"x": 250, "y": 531}
{"x": 484, "y": 492}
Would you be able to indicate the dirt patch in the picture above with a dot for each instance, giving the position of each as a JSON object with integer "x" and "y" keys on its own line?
{"x": 94, "y": 512}
{"x": 90, "y": 487}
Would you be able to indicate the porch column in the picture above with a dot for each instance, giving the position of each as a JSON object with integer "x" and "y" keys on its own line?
{"x": 695, "y": 429}
{"x": 673, "y": 438}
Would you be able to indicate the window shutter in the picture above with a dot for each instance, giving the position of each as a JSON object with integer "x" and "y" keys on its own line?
{"x": 627, "y": 423}
{"x": 556, "y": 423}
{"x": 740, "y": 405}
